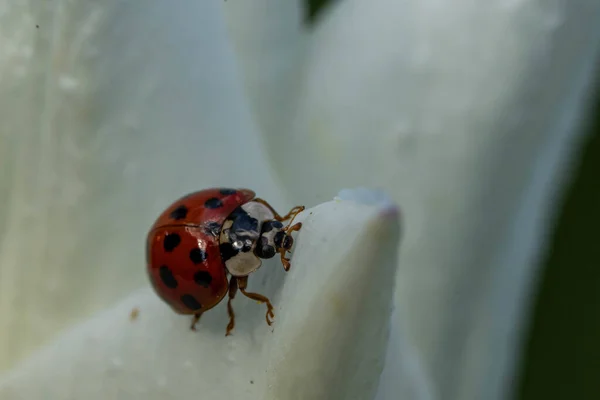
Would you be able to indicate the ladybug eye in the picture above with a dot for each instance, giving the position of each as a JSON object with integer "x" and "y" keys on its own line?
{"x": 278, "y": 239}
{"x": 244, "y": 245}
{"x": 287, "y": 242}
{"x": 264, "y": 249}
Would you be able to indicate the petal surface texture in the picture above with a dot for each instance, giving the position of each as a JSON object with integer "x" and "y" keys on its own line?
{"x": 467, "y": 113}
{"x": 333, "y": 312}
{"x": 110, "y": 111}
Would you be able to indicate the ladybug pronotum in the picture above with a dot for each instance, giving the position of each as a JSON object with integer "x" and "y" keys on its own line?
{"x": 205, "y": 245}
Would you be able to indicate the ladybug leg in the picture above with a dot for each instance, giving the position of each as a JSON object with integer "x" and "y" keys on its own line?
{"x": 195, "y": 321}
{"x": 233, "y": 287}
{"x": 243, "y": 283}
{"x": 293, "y": 212}
{"x": 284, "y": 260}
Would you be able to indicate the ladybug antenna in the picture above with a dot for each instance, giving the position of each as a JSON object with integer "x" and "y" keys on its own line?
{"x": 275, "y": 238}
{"x": 287, "y": 228}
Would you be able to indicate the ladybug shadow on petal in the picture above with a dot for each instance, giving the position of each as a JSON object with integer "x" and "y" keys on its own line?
{"x": 249, "y": 313}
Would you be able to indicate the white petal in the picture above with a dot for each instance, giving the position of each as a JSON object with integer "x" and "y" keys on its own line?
{"x": 328, "y": 341}
{"x": 110, "y": 110}
{"x": 465, "y": 112}
{"x": 270, "y": 39}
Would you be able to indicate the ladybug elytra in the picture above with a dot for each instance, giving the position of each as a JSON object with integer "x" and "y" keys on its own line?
{"x": 205, "y": 245}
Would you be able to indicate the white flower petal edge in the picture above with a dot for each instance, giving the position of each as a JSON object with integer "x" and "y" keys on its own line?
{"x": 403, "y": 372}
{"x": 328, "y": 341}
{"x": 113, "y": 109}
{"x": 467, "y": 118}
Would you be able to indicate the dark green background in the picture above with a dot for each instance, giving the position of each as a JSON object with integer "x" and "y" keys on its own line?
{"x": 562, "y": 354}
{"x": 562, "y": 357}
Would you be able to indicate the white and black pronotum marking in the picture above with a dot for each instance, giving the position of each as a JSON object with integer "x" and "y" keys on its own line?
{"x": 249, "y": 234}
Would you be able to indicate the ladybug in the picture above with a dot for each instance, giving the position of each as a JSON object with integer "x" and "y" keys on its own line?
{"x": 205, "y": 245}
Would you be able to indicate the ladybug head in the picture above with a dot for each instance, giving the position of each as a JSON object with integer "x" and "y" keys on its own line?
{"x": 273, "y": 239}
{"x": 250, "y": 233}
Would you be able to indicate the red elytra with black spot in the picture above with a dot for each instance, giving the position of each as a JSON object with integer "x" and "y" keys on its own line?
{"x": 183, "y": 257}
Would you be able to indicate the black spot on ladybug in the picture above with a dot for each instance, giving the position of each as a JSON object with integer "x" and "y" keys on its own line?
{"x": 190, "y": 302}
{"x": 167, "y": 277}
{"x": 226, "y": 192}
{"x": 197, "y": 255}
{"x": 227, "y": 251}
{"x": 203, "y": 278}
{"x": 179, "y": 213}
{"x": 213, "y": 202}
{"x": 212, "y": 228}
{"x": 278, "y": 238}
{"x": 171, "y": 241}
{"x": 269, "y": 225}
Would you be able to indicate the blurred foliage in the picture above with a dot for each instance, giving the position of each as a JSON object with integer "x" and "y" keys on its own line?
{"x": 562, "y": 354}
{"x": 561, "y": 358}
{"x": 314, "y": 8}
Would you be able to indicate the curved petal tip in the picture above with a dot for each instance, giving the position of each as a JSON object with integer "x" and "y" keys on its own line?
{"x": 366, "y": 196}
{"x": 333, "y": 313}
